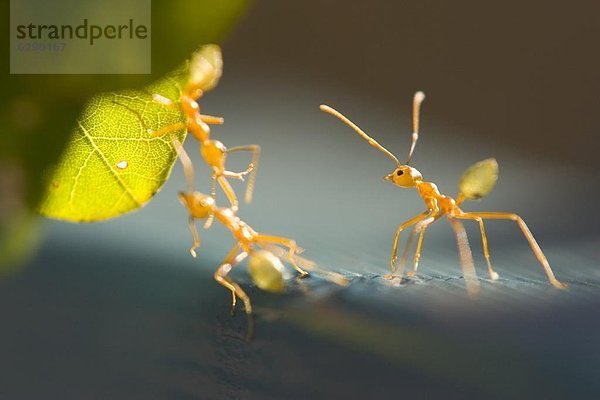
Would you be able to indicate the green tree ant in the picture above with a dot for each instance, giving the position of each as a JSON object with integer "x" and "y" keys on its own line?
{"x": 476, "y": 182}
{"x": 266, "y": 269}
{"x": 206, "y": 69}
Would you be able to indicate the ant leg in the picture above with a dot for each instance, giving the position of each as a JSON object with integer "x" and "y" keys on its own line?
{"x": 290, "y": 244}
{"x": 211, "y": 119}
{"x": 404, "y": 257}
{"x": 223, "y": 279}
{"x": 186, "y": 163}
{"x": 213, "y": 187}
{"x": 228, "y": 192}
{"x": 192, "y": 227}
{"x": 417, "y": 253}
{"x": 162, "y": 100}
{"x": 188, "y": 170}
{"x": 493, "y": 274}
{"x": 213, "y": 194}
{"x": 465, "y": 256}
{"x": 403, "y": 226}
{"x": 221, "y": 276}
{"x": 423, "y": 225}
{"x": 528, "y": 235}
{"x": 239, "y": 175}
{"x": 162, "y": 131}
{"x": 255, "y": 150}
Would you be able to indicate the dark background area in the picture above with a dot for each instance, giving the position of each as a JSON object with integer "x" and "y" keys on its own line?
{"x": 520, "y": 73}
{"x": 120, "y": 310}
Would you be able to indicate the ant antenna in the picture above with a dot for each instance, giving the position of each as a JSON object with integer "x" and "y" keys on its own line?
{"x": 352, "y": 125}
{"x": 186, "y": 162}
{"x": 417, "y": 100}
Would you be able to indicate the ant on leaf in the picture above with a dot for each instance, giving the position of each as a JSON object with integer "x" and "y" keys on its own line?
{"x": 206, "y": 68}
{"x": 477, "y": 181}
{"x": 265, "y": 266}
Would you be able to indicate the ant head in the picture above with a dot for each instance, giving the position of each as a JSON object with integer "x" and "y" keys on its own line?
{"x": 199, "y": 205}
{"x": 404, "y": 176}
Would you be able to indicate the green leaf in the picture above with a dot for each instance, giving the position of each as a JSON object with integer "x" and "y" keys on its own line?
{"x": 37, "y": 112}
{"x": 113, "y": 163}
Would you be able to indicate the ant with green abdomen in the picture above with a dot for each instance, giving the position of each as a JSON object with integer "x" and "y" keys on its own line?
{"x": 477, "y": 181}
{"x": 205, "y": 71}
{"x": 266, "y": 269}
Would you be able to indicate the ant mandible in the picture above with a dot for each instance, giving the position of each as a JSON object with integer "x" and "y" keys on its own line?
{"x": 476, "y": 182}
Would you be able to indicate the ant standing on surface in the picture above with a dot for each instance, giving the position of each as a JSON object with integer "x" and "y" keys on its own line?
{"x": 476, "y": 183}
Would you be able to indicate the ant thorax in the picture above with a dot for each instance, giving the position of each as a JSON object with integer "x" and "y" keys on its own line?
{"x": 428, "y": 189}
{"x": 429, "y": 193}
{"x": 227, "y": 213}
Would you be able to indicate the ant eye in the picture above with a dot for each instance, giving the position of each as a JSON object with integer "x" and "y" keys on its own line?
{"x": 399, "y": 172}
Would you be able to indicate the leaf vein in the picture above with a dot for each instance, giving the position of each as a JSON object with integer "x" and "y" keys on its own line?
{"x": 72, "y": 193}
{"x": 109, "y": 166}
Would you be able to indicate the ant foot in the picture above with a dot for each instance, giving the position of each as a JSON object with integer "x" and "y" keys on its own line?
{"x": 304, "y": 274}
{"x": 558, "y": 284}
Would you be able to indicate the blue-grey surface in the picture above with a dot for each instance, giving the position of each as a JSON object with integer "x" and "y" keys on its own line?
{"x": 120, "y": 310}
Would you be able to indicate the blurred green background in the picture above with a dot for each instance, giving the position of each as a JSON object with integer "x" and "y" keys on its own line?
{"x": 38, "y": 112}
{"x": 119, "y": 309}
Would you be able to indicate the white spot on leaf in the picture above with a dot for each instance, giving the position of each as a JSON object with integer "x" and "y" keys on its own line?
{"x": 122, "y": 164}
